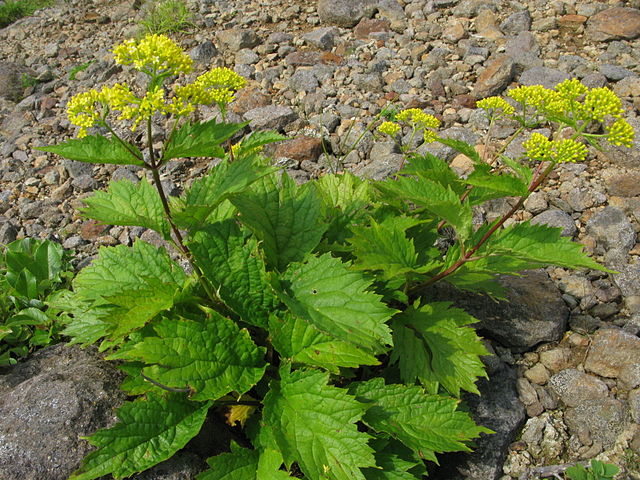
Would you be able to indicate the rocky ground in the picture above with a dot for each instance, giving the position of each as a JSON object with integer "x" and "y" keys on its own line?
{"x": 567, "y": 340}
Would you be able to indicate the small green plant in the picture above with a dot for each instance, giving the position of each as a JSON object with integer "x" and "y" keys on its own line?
{"x": 597, "y": 471}
{"x": 167, "y": 16}
{"x": 32, "y": 272}
{"x": 79, "y": 68}
{"x": 304, "y": 311}
{"x": 27, "y": 80}
{"x": 12, "y": 10}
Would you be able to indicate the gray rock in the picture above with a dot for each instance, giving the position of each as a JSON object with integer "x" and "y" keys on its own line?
{"x": 495, "y": 77}
{"x": 628, "y": 279}
{"x": 237, "y": 39}
{"x": 8, "y": 232}
{"x": 381, "y": 167}
{"x": 11, "y": 75}
{"x": 204, "y": 52}
{"x": 575, "y": 387}
{"x": 323, "y": 38}
{"x": 557, "y": 218}
{"x": 271, "y": 117}
{"x": 524, "y": 51}
{"x": 545, "y": 76}
{"x": 498, "y": 408}
{"x": 516, "y": 22}
{"x": 615, "y": 72}
{"x": 369, "y": 82}
{"x": 122, "y": 173}
{"x": 444, "y": 152}
{"x": 46, "y": 403}
{"x": 75, "y": 169}
{"x": 304, "y": 80}
{"x": 534, "y": 311}
{"x": 246, "y": 56}
{"x": 327, "y": 120}
{"x": 345, "y": 13}
{"x": 611, "y": 351}
{"x": 604, "y": 420}
{"x": 612, "y": 229}
{"x": 634, "y": 404}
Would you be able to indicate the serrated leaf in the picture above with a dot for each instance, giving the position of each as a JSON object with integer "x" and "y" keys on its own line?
{"x": 435, "y": 198}
{"x": 428, "y": 424}
{"x": 199, "y": 202}
{"x": 245, "y": 464}
{"x": 524, "y": 172}
{"x": 435, "y": 345}
{"x": 314, "y": 424}
{"x": 234, "y": 267}
{"x": 211, "y": 357}
{"x": 287, "y": 220}
{"x": 461, "y": 147}
{"x": 255, "y": 141}
{"x": 296, "y": 339}
{"x": 98, "y": 149}
{"x": 539, "y": 245}
{"x": 435, "y": 169}
{"x": 337, "y": 301}
{"x": 385, "y": 247}
{"x": 149, "y": 431}
{"x": 394, "y": 461}
{"x": 200, "y": 139}
{"x": 126, "y": 203}
{"x": 142, "y": 280}
{"x": 497, "y": 186}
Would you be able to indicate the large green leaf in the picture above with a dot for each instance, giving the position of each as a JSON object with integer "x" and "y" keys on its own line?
{"x": 98, "y": 149}
{"x": 314, "y": 424}
{"x": 150, "y": 430}
{"x": 385, "y": 247}
{"x": 141, "y": 280}
{"x": 504, "y": 185}
{"x": 199, "y": 202}
{"x": 338, "y": 301}
{"x": 435, "y": 345}
{"x": 200, "y": 139}
{"x": 252, "y": 143}
{"x": 440, "y": 201}
{"x": 300, "y": 341}
{"x": 286, "y": 219}
{"x": 32, "y": 266}
{"x": 539, "y": 245}
{"x": 245, "y": 464}
{"x": 394, "y": 461}
{"x": 234, "y": 267}
{"x": 435, "y": 169}
{"x": 211, "y": 357}
{"x": 126, "y": 203}
{"x": 428, "y": 424}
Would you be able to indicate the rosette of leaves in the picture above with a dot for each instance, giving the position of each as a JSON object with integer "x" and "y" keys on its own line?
{"x": 302, "y": 310}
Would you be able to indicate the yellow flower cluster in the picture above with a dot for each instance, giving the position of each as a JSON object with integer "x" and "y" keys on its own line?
{"x": 216, "y": 86}
{"x": 84, "y": 110}
{"x": 571, "y": 89}
{"x": 600, "y": 102}
{"x": 389, "y": 128}
{"x": 153, "y": 54}
{"x": 621, "y": 133}
{"x": 491, "y": 104}
{"x": 419, "y": 120}
{"x": 144, "y": 108}
{"x": 539, "y": 147}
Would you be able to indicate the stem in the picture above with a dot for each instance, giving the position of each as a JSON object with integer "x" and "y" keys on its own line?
{"x": 124, "y": 144}
{"x": 468, "y": 256}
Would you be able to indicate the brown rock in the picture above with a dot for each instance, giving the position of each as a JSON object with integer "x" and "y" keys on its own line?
{"x": 454, "y": 32}
{"x": 248, "y": 99}
{"x": 495, "y": 78}
{"x": 368, "y": 26}
{"x": 611, "y": 351}
{"x": 11, "y": 80}
{"x": 575, "y": 387}
{"x": 624, "y": 185}
{"x": 300, "y": 148}
{"x": 572, "y": 21}
{"x": 556, "y": 359}
{"x": 91, "y": 230}
{"x": 614, "y": 23}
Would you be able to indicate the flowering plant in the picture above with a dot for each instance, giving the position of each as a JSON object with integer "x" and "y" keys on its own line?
{"x": 302, "y": 313}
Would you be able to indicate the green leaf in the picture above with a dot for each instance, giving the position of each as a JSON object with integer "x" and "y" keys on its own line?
{"x": 296, "y": 339}
{"x": 385, "y": 247}
{"x": 198, "y": 204}
{"x": 435, "y": 345}
{"x": 254, "y": 141}
{"x": 210, "y": 357}
{"x": 98, "y": 149}
{"x": 435, "y": 169}
{"x": 200, "y": 139}
{"x": 428, "y": 424}
{"x": 462, "y": 147}
{"x": 142, "y": 280}
{"x": 539, "y": 245}
{"x": 33, "y": 265}
{"x": 287, "y": 220}
{"x": 234, "y": 267}
{"x": 498, "y": 186}
{"x": 524, "y": 172}
{"x": 314, "y": 424}
{"x": 337, "y": 301}
{"x": 126, "y": 203}
{"x": 433, "y": 197}
{"x": 245, "y": 464}
{"x": 150, "y": 430}
{"x": 394, "y": 461}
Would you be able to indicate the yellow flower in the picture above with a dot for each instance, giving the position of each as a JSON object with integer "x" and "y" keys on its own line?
{"x": 568, "y": 151}
{"x": 621, "y": 133}
{"x": 145, "y": 107}
{"x": 216, "y": 86}
{"x": 417, "y": 118}
{"x": 600, "y": 102}
{"x": 495, "y": 103}
{"x": 239, "y": 414}
{"x": 389, "y": 128}
{"x": 117, "y": 97}
{"x": 538, "y": 147}
{"x": 84, "y": 110}
{"x": 571, "y": 89}
{"x": 534, "y": 95}
{"x": 154, "y": 54}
